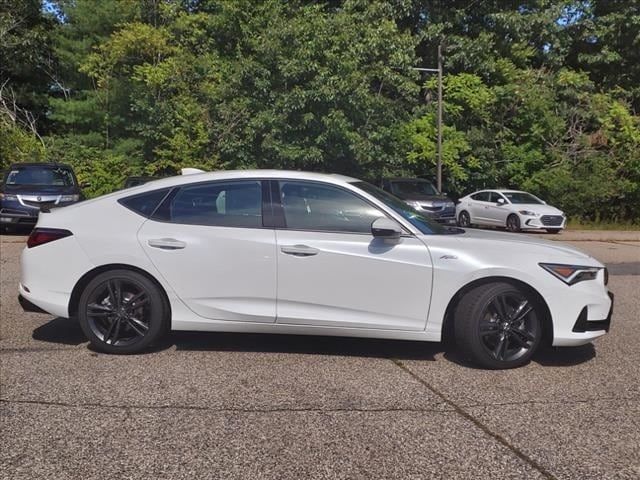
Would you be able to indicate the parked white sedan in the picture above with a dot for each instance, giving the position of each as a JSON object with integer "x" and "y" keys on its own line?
{"x": 303, "y": 253}
{"x": 512, "y": 209}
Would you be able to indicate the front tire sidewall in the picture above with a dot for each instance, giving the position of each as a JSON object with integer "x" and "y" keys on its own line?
{"x": 513, "y": 223}
{"x": 157, "y": 305}
{"x": 467, "y": 318}
{"x": 464, "y": 219}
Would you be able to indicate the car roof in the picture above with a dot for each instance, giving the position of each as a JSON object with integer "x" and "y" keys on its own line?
{"x": 38, "y": 164}
{"x": 407, "y": 179}
{"x": 241, "y": 174}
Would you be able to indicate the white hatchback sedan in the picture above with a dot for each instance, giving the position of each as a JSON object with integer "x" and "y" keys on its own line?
{"x": 512, "y": 209}
{"x": 303, "y": 253}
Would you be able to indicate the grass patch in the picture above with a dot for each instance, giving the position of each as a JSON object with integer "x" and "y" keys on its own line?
{"x": 577, "y": 224}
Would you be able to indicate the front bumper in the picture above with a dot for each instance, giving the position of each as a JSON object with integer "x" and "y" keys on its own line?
{"x": 584, "y": 325}
{"x": 544, "y": 222}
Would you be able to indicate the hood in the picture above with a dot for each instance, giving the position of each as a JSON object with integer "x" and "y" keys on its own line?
{"x": 498, "y": 239}
{"x": 537, "y": 208}
{"x": 40, "y": 189}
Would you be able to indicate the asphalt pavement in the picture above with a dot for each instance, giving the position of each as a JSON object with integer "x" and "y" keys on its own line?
{"x": 234, "y": 406}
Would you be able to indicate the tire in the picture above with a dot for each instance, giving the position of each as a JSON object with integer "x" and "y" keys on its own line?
{"x": 464, "y": 220}
{"x": 498, "y": 326}
{"x": 513, "y": 223}
{"x": 122, "y": 312}
{"x": 553, "y": 230}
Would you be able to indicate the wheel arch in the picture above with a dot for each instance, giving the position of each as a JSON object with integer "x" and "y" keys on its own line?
{"x": 91, "y": 274}
{"x": 448, "y": 323}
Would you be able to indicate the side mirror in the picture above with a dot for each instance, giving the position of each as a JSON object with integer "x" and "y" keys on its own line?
{"x": 385, "y": 228}
{"x": 500, "y": 201}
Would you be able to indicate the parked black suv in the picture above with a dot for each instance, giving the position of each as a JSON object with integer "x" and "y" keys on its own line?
{"x": 28, "y": 187}
{"x": 422, "y": 195}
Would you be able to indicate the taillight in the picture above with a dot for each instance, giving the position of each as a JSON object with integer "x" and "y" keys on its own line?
{"x": 40, "y": 236}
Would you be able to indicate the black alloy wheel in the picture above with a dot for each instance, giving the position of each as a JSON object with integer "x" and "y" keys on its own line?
{"x": 498, "y": 325}
{"x": 122, "y": 312}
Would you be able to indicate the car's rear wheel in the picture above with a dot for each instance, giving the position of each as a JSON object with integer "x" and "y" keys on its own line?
{"x": 553, "y": 230}
{"x": 464, "y": 219}
{"x": 498, "y": 325}
{"x": 513, "y": 223}
{"x": 122, "y": 311}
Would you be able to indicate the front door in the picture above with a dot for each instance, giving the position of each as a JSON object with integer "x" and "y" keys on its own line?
{"x": 333, "y": 272}
{"x": 208, "y": 242}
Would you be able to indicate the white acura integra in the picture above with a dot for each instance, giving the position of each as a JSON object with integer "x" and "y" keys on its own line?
{"x": 303, "y": 253}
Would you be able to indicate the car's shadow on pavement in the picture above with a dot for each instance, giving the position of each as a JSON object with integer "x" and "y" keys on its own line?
{"x": 67, "y": 332}
{"x": 60, "y": 330}
{"x": 302, "y": 344}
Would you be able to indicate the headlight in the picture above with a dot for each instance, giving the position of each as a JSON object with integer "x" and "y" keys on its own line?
{"x": 528, "y": 212}
{"x": 69, "y": 198}
{"x": 8, "y": 196}
{"x": 571, "y": 274}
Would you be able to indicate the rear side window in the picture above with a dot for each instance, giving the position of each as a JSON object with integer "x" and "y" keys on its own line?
{"x": 224, "y": 204}
{"x": 144, "y": 203}
{"x": 481, "y": 197}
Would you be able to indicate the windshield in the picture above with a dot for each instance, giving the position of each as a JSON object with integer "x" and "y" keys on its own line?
{"x": 522, "y": 197}
{"x": 422, "y": 223}
{"x": 41, "y": 176}
{"x": 417, "y": 187}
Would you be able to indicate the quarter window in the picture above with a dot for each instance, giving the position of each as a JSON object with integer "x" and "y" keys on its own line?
{"x": 312, "y": 206}
{"x": 225, "y": 204}
{"x": 144, "y": 203}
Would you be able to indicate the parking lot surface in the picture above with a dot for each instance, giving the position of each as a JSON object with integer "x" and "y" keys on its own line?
{"x": 206, "y": 405}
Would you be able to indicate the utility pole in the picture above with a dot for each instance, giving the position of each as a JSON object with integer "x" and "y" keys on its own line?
{"x": 439, "y": 166}
{"x": 439, "y": 125}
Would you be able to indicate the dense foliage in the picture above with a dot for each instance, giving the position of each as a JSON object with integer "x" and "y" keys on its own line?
{"x": 542, "y": 95}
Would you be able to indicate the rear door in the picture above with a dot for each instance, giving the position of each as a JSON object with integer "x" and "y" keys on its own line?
{"x": 208, "y": 242}
{"x": 333, "y": 272}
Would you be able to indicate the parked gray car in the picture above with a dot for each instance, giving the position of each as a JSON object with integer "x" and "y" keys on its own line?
{"x": 422, "y": 195}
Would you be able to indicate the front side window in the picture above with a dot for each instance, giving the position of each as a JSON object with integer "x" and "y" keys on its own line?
{"x": 481, "y": 196}
{"x": 41, "y": 176}
{"x": 225, "y": 204}
{"x": 318, "y": 207}
{"x": 417, "y": 219}
{"x": 494, "y": 196}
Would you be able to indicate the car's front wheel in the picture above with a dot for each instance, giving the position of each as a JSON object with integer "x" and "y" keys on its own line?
{"x": 513, "y": 223}
{"x": 121, "y": 311}
{"x": 498, "y": 325}
{"x": 464, "y": 220}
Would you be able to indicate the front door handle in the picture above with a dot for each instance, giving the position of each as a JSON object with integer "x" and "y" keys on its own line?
{"x": 167, "y": 243}
{"x": 299, "y": 250}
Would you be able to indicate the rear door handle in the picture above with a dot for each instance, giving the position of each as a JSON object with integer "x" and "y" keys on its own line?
{"x": 299, "y": 250}
{"x": 167, "y": 243}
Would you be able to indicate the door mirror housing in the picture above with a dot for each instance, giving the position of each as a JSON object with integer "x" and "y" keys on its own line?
{"x": 386, "y": 228}
{"x": 500, "y": 201}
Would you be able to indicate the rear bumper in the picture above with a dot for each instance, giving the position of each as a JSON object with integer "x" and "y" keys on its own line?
{"x": 10, "y": 216}
{"x": 27, "y": 306}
